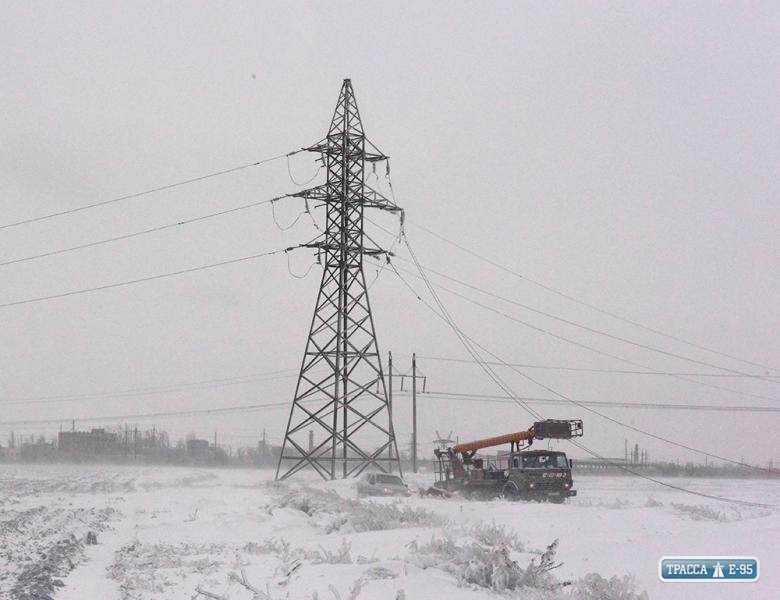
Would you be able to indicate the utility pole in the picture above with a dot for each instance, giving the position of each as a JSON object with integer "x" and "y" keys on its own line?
{"x": 415, "y": 376}
{"x": 414, "y": 412}
{"x": 341, "y": 366}
{"x": 390, "y": 404}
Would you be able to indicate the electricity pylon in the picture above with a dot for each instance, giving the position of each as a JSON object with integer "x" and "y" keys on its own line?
{"x": 340, "y": 413}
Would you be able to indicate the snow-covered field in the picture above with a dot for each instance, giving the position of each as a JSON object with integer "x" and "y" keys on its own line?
{"x": 184, "y": 533}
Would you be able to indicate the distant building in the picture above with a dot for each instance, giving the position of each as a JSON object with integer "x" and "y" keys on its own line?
{"x": 37, "y": 451}
{"x": 198, "y": 449}
{"x": 9, "y": 453}
{"x": 97, "y": 442}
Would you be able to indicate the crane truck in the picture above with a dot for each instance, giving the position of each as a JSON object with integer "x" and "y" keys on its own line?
{"x": 519, "y": 474}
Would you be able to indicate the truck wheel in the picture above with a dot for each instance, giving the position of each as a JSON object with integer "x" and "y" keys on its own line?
{"x": 556, "y": 499}
{"x": 510, "y": 492}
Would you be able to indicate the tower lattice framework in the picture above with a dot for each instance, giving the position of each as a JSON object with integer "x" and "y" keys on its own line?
{"x": 340, "y": 414}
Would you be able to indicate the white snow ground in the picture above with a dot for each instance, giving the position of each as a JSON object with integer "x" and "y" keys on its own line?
{"x": 168, "y": 533}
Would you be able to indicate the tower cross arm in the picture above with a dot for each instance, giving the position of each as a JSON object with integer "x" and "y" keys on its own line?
{"x": 322, "y": 245}
{"x": 326, "y": 146}
{"x": 373, "y": 199}
{"x": 318, "y": 193}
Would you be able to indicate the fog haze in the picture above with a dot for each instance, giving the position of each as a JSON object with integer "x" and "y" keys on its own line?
{"x": 626, "y": 155}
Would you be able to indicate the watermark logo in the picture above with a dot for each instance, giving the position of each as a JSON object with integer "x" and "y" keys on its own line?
{"x": 708, "y": 568}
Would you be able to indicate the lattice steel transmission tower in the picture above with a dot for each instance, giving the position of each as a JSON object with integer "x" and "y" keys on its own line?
{"x": 340, "y": 413}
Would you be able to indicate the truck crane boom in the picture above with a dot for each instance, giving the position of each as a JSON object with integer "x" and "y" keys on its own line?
{"x": 548, "y": 429}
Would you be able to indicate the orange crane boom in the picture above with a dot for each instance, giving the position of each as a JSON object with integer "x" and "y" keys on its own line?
{"x": 547, "y": 429}
{"x": 499, "y": 440}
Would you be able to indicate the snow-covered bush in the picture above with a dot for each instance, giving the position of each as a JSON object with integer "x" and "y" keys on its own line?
{"x": 728, "y": 514}
{"x": 492, "y": 568}
{"x": 491, "y": 534}
{"x": 700, "y": 512}
{"x": 595, "y": 587}
{"x": 270, "y": 546}
{"x": 368, "y": 516}
{"x": 341, "y": 556}
{"x": 334, "y": 513}
{"x": 486, "y": 566}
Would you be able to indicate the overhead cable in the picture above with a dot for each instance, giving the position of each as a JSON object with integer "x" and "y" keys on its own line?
{"x": 302, "y": 183}
{"x": 198, "y": 385}
{"x": 584, "y": 327}
{"x": 591, "y": 348}
{"x": 141, "y": 280}
{"x": 603, "y": 403}
{"x": 146, "y": 231}
{"x": 465, "y": 340}
{"x": 157, "y": 415}
{"x": 147, "y": 192}
{"x": 587, "y": 304}
{"x": 666, "y": 484}
{"x": 564, "y": 397}
{"x": 609, "y": 371}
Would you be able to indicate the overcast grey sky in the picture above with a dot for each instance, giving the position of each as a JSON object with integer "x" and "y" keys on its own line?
{"x": 626, "y": 154}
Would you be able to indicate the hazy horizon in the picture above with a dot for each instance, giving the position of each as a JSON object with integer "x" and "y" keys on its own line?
{"x": 624, "y": 155}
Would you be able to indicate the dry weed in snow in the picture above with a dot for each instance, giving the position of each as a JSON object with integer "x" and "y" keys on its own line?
{"x": 491, "y": 567}
{"x": 333, "y": 513}
{"x": 143, "y": 571}
{"x": 288, "y": 556}
{"x": 490, "y": 534}
{"x": 617, "y": 503}
{"x": 486, "y": 566}
{"x": 729, "y": 514}
{"x": 42, "y": 545}
{"x": 594, "y": 587}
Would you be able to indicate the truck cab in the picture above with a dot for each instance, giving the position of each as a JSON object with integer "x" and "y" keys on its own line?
{"x": 539, "y": 475}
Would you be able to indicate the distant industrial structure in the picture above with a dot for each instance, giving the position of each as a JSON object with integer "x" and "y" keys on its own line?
{"x": 199, "y": 449}
{"x": 94, "y": 443}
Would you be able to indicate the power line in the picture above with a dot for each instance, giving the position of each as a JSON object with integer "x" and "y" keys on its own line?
{"x": 570, "y": 400}
{"x": 157, "y": 415}
{"x": 592, "y": 370}
{"x": 615, "y": 421}
{"x": 603, "y": 403}
{"x": 771, "y": 379}
{"x": 141, "y": 280}
{"x": 584, "y": 327}
{"x": 308, "y": 181}
{"x": 590, "y": 348}
{"x": 462, "y": 337}
{"x": 632, "y": 427}
{"x": 145, "y": 391}
{"x": 595, "y": 454}
{"x": 147, "y": 192}
{"x": 144, "y": 232}
{"x": 586, "y": 304}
